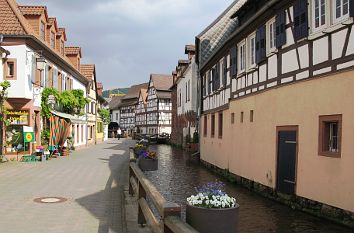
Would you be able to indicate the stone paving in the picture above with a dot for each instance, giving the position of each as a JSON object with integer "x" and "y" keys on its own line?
{"x": 92, "y": 179}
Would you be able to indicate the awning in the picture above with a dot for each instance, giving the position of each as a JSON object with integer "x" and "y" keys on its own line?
{"x": 73, "y": 119}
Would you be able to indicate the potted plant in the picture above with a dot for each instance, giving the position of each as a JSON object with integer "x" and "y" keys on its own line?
{"x": 212, "y": 210}
{"x": 139, "y": 147}
{"x": 147, "y": 161}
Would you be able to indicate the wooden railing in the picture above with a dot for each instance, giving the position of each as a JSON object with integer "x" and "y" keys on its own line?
{"x": 170, "y": 213}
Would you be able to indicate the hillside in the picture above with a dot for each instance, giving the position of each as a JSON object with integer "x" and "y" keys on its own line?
{"x": 116, "y": 91}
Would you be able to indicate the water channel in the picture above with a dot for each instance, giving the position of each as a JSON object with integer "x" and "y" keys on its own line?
{"x": 178, "y": 175}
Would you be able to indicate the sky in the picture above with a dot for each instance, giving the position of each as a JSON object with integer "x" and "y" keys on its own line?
{"x": 128, "y": 40}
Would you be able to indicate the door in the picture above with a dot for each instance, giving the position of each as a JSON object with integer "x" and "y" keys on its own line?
{"x": 286, "y": 164}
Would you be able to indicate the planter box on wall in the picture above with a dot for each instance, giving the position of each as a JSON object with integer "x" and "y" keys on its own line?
{"x": 213, "y": 220}
{"x": 148, "y": 164}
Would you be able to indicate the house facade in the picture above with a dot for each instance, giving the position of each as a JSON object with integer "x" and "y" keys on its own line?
{"x": 277, "y": 97}
{"x": 159, "y": 105}
{"x": 89, "y": 71}
{"x": 128, "y": 108}
{"x": 186, "y": 99}
{"x": 140, "y": 113}
{"x": 38, "y": 59}
{"x": 115, "y": 115}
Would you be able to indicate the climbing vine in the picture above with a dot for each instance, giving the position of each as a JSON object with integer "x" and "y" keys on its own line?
{"x": 5, "y": 85}
{"x": 105, "y": 115}
{"x": 72, "y": 102}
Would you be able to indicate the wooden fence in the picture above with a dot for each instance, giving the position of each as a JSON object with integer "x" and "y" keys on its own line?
{"x": 170, "y": 213}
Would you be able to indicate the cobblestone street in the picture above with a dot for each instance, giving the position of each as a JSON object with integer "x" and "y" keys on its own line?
{"x": 92, "y": 181}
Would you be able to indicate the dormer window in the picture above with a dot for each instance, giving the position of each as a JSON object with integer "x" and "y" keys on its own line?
{"x": 42, "y": 30}
{"x": 52, "y": 40}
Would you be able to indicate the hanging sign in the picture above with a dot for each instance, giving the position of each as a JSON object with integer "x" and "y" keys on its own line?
{"x": 28, "y": 136}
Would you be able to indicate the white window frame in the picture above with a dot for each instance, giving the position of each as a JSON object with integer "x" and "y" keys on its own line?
{"x": 322, "y": 25}
{"x": 241, "y": 53}
{"x": 271, "y": 36}
{"x": 251, "y": 55}
{"x": 334, "y": 11}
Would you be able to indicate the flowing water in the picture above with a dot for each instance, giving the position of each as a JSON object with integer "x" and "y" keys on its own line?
{"x": 178, "y": 175}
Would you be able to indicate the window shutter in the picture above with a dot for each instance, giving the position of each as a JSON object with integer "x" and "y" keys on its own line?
{"x": 280, "y": 29}
{"x": 233, "y": 66}
{"x": 300, "y": 19}
{"x": 209, "y": 82}
{"x": 217, "y": 76}
{"x": 351, "y": 8}
{"x": 204, "y": 86}
{"x": 224, "y": 77}
{"x": 260, "y": 44}
{"x": 213, "y": 78}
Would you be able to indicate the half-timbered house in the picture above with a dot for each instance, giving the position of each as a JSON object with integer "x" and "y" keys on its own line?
{"x": 159, "y": 104}
{"x": 277, "y": 97}
{"x": 127, "y": 107}
{"x": 186, "y": 99}
{"x": 140, "y": 112}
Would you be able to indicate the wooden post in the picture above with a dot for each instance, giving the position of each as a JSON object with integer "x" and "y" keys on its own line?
{"x": 170, "y": 209}
{"x": 131, "y": 191}
{"x": 142, "y": 194}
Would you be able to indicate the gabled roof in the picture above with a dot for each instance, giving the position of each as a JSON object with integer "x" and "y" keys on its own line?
{"x": 143, "y": 94}
{"x": 134, "y": 91}
{"x": 34, "y": 10}
{"x": 12, "y": 22}
{"x": 73, "y": 51}
{"x": 189, "y": 48}
{"x": 217, "y": 33}
{"x": 53, "y": 21}
{"x": 161, "y": 82}
{"x": 87, "y": 70}
{"x": 61, "y": 32}
{"x": 114, "y": 103}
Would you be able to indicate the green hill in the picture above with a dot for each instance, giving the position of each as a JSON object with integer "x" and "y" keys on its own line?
{"x": 116, "y": 91}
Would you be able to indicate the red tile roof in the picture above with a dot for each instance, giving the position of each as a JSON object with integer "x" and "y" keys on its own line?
{"x": 162, "y": 81}
{"x": 73, "y": 51}
{"x": 87, "y": 70}
{"x": 61, "y": 31}
{"x": 11, "y": 19}
{"x": 34, "y": 10}
{"x": 53, "y": 21}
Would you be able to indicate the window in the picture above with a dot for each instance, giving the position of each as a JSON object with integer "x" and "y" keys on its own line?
{"x": 52, "y": 40}
{"x": 220, "y": 125}
{"x": 242, "y": 57}
{"x": 318, "y": 14}
{"x": 224, "y": 72}
{"x": 212, "y": 125}
{"x": 42, "y": 30}
{"x": 233, "y": 61}
{"x": 252, "y": 50}
{"x": 251, "y": 116}
{"x": 271, "y": 36}
{"x": 189, "y": 90}
{"x": 232, "y": 118}
{"x": 10, "y": 69}
{"x": 330, "y": 134}
{"x": 340, "y": 9}
{"x": 82, "y": 133}
{"x": 186, "y": 93}
{"x": 55, "y": 78}
{"x": 241, "y": 117}
{"x": 116, "y": 116}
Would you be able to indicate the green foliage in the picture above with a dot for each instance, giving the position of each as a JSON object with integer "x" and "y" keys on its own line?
{"x": 45, "y": 134}
{"x": 71, "y": 102}
{"x": 105, "y": 114}
{"x": 195, "y": 137}
{"x": 5, "y": 85}
{"x": 45, "y": 107}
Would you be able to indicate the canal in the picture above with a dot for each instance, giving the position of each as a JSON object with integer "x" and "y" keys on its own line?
{"x": 178, "y": 175}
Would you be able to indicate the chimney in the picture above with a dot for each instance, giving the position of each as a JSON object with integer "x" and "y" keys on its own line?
{"x": 190, "y": 50}
{"x": 99, "y": 88}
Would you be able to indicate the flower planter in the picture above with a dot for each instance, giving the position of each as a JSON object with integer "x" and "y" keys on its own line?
{"x": 207, "y": 220}
{"x": 146, "y": 164}
{"x": 138, "y": 151}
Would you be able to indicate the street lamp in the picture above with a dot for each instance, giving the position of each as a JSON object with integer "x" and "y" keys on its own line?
{"x": 40, "y": 63}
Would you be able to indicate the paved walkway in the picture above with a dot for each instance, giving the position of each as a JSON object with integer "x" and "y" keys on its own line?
{"x": 92, "y": 180}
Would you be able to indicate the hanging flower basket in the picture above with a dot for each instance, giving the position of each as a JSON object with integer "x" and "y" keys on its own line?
{"x": 212, "y": 210}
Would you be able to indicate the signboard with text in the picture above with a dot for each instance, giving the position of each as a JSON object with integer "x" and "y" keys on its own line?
{"x": 18, "y": 117}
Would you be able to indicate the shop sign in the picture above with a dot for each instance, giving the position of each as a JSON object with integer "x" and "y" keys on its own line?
{"x": 28, "y": 136}
{"x": 18, "y": 117}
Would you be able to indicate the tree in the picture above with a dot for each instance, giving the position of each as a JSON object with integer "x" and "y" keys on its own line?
{"x": 105, "y": 115}
{"x": 4, "y": 86}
